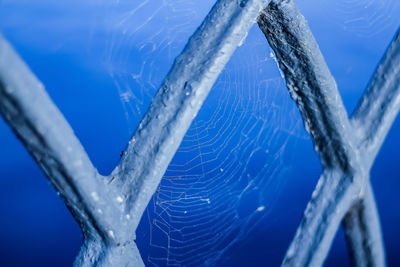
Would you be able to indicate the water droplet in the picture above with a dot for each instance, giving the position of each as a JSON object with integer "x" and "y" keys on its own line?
{"x": 111, "y": 234}
{"x": 95, "y": 196}
{"x": 261, "y": 208}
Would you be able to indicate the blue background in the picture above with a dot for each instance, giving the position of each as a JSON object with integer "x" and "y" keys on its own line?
{"x": 102, "y": 61}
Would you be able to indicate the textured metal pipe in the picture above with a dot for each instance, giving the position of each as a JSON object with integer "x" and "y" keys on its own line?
{"x": 179, "y": 99}
{"x": 110, "y": 210}
{"x": 314, "y": 90}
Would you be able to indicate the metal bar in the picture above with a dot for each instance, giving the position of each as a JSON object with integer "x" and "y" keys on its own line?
{"x": 34, "y": 118}
{"x": 363, "y": 232}
{"x": 27, "y": 108}
{"x": 112, "y": 213}
{"x": 310, "y": 83}
{"x": 115, "y": 210}
{"x": 179, "y": 99}
{"x": 315, "y": 91}
{"x": 331, "y": 199}
{"x": 380, "y": 104}
{"x": 372, "y": 119}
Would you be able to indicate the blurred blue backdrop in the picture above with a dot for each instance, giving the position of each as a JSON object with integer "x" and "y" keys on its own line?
{"x": 236, "y": 190}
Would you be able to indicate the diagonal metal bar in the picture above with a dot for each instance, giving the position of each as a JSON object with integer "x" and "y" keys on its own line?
{"x": 380, "y": 104}
{"x": 288, "y": 34}
{"x": 363, "y": 232}
{"x": 26, "y": 107}
{"x": 372, "y": 119}
{"x": 179, "y": 99}
{"x": 361, "y": 222}
{"x": 314, "y": 89}
{"x": 310, "y": 83}
{"x": 109, "y": 210}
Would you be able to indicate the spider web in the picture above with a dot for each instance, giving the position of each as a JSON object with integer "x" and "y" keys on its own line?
{"x": 234, "y": 160}
{"x": 225, "y": 180}
{"x": 228, "y": 170}
{"x": 365, "y": 18}
{"x": 231, "y": 165}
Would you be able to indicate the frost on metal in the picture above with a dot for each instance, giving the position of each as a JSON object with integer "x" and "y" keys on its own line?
{"x": 347, "y": 148}
{"x": 108, "y": 209}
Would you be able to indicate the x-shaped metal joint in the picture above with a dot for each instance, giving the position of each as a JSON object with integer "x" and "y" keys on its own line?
{"x": 347, "y": 148}
{"x": 109, "y": 208}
